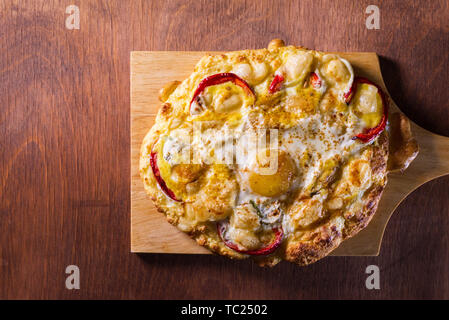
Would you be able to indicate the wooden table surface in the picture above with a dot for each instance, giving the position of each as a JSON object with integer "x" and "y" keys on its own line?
{"x": 64, "y": 146}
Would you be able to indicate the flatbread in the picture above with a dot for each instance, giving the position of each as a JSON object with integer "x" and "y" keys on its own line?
{"x": 302, "y": 175}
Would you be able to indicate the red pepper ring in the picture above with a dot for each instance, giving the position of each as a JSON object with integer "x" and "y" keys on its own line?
{"x": 279, "y": 233}
{"x": 220, "y": 78}
{"x": 371, "y": 133}
{"x": 348, "y": 95}
{"x": 276, "y": 83}
{"x": 315, "y": 80}
{"x": 159, "y": 180}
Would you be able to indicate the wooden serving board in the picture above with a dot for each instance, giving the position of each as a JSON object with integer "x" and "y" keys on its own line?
{"x": 150, "y": 232}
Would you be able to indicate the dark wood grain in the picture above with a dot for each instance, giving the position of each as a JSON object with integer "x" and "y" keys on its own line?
{"x": 64, "y": 141}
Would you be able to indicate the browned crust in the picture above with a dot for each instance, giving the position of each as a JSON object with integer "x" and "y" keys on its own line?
{"x": 327, "y": 238}
{"x": 371, "y": 200}
{"x": 321, "y": 243}
{"x": 403, "y": 146}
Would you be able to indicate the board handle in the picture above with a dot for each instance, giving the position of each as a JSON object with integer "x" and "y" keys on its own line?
{"x": 433, "y": 158}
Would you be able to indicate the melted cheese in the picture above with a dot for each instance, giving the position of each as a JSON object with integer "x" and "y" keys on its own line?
{"x": 314, "y": 128}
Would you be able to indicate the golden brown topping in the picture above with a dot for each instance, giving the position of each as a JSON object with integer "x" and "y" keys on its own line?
{"x": 335, "y": 71}
{"x": 305, "y": 101}
{"x": 306, "y": 212}
{"x": 245, "y": 217}
{"x": 359, "y": 173}
{"x": 167, "y": 90}
{"x": 298, "y": 66}
{"x": 275, "y": 44}
{"x": 185, "y": 173}
{"x": 166, "y": 109}
{"x": 335, "y": 203}
{"x": 216, "y": 198}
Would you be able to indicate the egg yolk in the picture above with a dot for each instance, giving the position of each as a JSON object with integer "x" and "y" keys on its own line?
{"x": 276, "y": 184}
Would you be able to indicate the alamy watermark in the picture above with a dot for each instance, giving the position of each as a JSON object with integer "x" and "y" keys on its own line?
{"x": 73, "y": 280}
{"x": 373, "y": 20}
{"x": 73, "y": 20}
{"x": 373, "y": 280}
{"x": 208, "y": 143}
